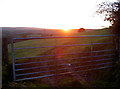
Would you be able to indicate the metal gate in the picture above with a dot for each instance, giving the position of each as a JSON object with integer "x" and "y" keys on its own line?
{"x": 54, "y": 64}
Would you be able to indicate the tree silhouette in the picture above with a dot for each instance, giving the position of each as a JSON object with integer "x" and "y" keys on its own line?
{"x": 81, "y": 30}
{"x": 111, "y": 12}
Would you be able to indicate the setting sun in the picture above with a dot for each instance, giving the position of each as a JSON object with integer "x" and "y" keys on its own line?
{"x": 66, "y": 29}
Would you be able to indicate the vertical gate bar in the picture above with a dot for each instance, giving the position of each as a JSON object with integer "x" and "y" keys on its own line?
{"x": 50, "y": 79}
{"x": 118, "y": 48}
{"x": 13, "y": 59}
{"x": 91, "y": 48}
{"x": 91, "y": 54}
{"x": 55, "y": 81}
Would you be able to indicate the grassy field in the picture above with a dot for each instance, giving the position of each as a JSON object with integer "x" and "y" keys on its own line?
{"x": 62, "y": 50}
{"x": 55, "y": 42}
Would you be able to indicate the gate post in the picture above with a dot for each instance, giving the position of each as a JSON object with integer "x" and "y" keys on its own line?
{"x": 119, "y": 44}
{"x": 13, "y": 60}
{"x": 5, "y": 60}
{"x": 6, "y": 67}
{"x": 118, "y": 47}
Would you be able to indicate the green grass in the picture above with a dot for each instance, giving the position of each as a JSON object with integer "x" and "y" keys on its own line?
{"x": 62, "y": 50}
{"x": 54, "y": 42}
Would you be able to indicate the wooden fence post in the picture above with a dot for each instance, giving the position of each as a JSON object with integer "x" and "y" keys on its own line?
{"x": 118, "y": 47}
{"x": 5, "y": 51}
{"x": 5, "y": 61}
{"x": 119, "y": 44}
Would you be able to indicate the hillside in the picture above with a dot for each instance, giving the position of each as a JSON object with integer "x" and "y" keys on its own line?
{"x": 53, "y": 42}
{"x": 30, "y": 31}
{"x": 55, "y": 55}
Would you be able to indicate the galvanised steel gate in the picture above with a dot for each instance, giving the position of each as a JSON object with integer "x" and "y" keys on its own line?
{"x": 50, "y": 64}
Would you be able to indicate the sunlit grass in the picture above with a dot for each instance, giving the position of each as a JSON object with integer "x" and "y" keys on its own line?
{"x": 56, "y": 42}
{"x": 61, "y": 50}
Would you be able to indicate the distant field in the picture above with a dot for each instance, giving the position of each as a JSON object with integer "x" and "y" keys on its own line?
{"x": 55, "y": 60}
{"x": 55, "y": 42}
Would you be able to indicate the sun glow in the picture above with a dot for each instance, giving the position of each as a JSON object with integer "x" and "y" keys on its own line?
{"x": 66, "y": 29}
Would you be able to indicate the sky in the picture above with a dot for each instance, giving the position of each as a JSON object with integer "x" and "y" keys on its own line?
{"x": 53, "y": 14}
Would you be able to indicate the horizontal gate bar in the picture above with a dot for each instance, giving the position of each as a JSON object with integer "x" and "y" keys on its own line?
{"x": 95, "y": 68}
{"x": 48, "y": 66}
{"x": 64, "y": 45}
{"x": 62, "y": 73}
{"x": 93, "y": 60}
{"x": 65, "y": 54}
{"x": 36, "y": 67}
{"x": 60, "y": 60}
{"x": 38, "y": 72}
{"x": 82, "y": 36}
{"x": 67, "y": 59}
{"x": 87, "y": 70}
{"x": 60, "y": 69}
{"x": 35, "y": 77}
{"x": 94, "y": 65}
